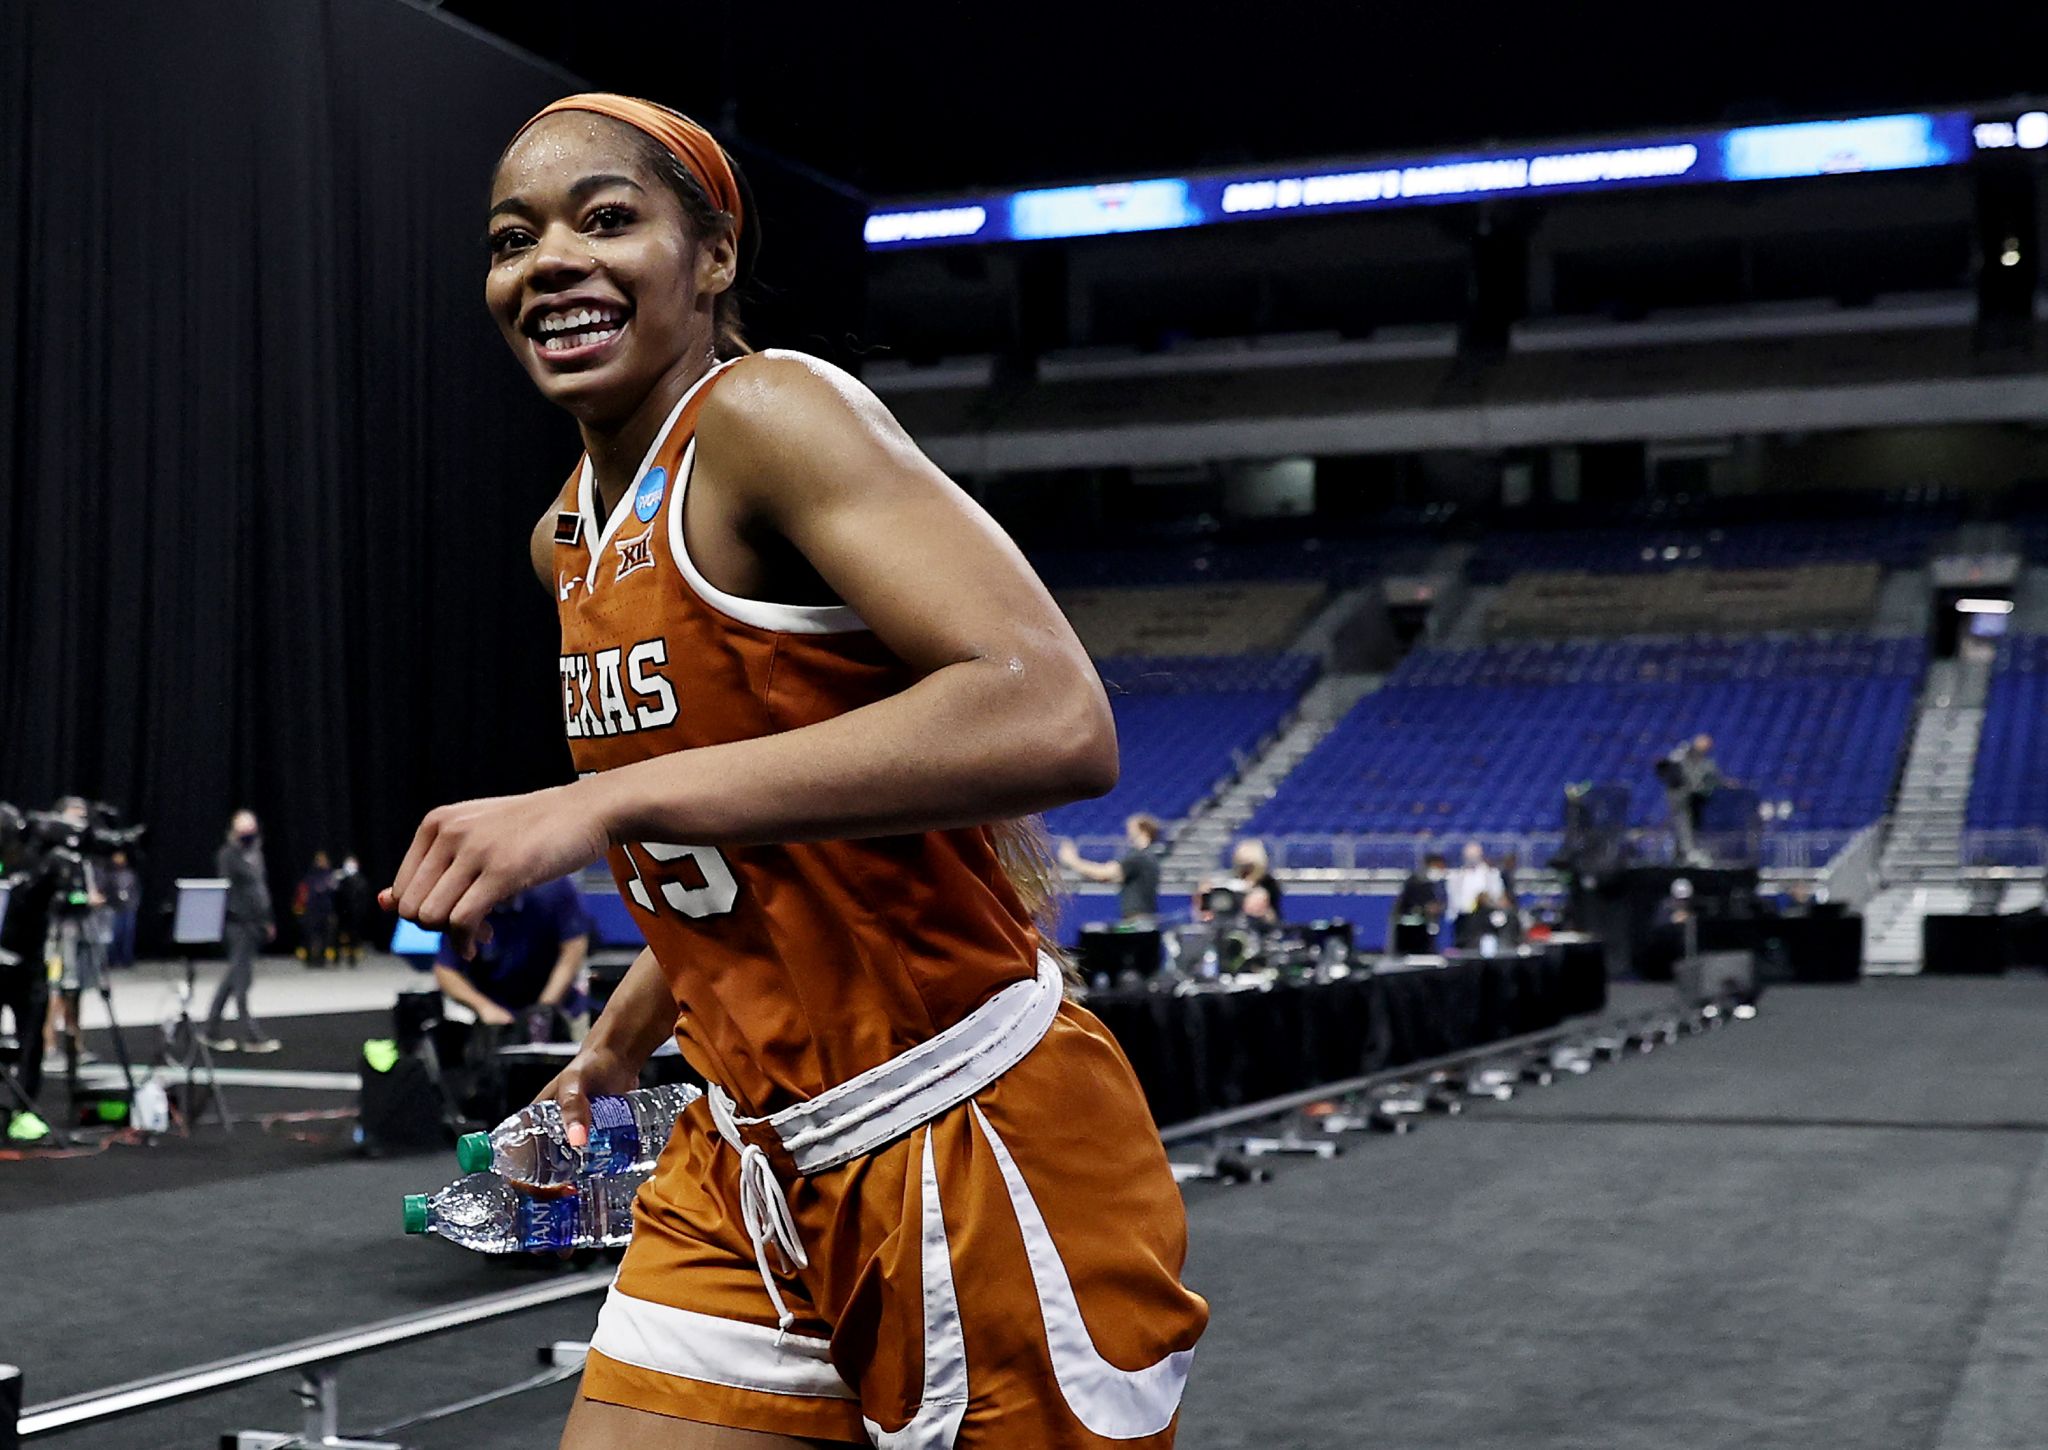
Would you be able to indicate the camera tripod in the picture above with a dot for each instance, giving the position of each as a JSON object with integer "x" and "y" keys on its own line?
{"x": 185, "y": 1051}
{"x": 77, "y": 938}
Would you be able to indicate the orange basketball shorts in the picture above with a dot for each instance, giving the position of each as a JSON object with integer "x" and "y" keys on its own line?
{"x": 1007, "y": 1274}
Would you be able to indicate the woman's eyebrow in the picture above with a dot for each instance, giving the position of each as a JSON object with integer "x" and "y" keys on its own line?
{"x": 599, "y": 182}
{"x": 581, "y": 189}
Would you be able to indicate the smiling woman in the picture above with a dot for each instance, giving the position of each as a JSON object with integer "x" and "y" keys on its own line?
{"x": 923, "y": 1203}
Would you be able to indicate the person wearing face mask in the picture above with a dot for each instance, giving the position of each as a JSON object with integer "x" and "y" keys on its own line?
{"x": 1475, "y": 880}
{"x": 250, "y": 925}
{"x": 1419, "y": 907}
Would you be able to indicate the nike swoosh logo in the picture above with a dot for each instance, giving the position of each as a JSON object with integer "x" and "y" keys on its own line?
{"x": 942, "y": 1404}
{"x": 1114, "y": 1403}
{"x": 570, "y": 587}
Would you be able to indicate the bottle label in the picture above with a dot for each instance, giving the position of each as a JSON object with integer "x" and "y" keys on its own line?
{"x": 547, "y": 1224}
{"x": 614, "y": 1145}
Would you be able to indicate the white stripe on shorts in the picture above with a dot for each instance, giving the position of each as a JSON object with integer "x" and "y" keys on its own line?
{"x": 715, "y": 1351}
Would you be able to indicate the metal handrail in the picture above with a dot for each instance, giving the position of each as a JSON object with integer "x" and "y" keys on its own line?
{"x": 1363, "y": 852}
{"x": 93, "y": 1406}
{"x": 2021, "y": 848}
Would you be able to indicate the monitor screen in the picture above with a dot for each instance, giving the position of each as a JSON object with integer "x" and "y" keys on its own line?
{"x": 201, "y": 914}
{"x": 413, "y": 940}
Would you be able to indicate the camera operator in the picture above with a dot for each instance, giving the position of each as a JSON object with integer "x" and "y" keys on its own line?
{"x": 24, "y": 979}
{"x": 70, "y": 846}
{"x": 1689, "y": 775}
{"x": 250, "y": 925}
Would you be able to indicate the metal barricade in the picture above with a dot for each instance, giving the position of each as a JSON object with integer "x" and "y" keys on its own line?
{"x": 317, "y": 1359}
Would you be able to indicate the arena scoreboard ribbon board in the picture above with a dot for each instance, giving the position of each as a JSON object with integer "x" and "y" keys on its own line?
{"x": 1907, "y": 141}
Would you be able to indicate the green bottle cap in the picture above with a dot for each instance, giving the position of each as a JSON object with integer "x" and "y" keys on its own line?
{"x": 415, "y": 1213}
{"x": 473, "y": 1152}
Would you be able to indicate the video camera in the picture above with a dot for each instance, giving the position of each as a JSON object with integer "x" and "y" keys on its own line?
{"x": 65, "y": 842}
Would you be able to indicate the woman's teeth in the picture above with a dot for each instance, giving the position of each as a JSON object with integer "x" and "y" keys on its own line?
{"x": 584, "y": 327}
{"x": 589, "y": 337}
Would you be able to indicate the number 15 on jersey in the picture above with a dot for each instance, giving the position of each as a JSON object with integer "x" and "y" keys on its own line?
{"x": 714, "y": 898}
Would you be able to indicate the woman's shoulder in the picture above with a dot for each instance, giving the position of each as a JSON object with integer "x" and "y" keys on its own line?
{"x": 785, "y": 386}
{"x": 777, "y": 412}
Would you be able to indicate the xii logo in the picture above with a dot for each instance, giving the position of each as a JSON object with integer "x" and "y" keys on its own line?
{"x": 635, "y": 554}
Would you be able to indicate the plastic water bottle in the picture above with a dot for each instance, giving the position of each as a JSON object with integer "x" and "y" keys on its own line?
{"x": 485, "y": 1213}
{"x": 532, "y": 1146}
{"x": 152, "y": 1112}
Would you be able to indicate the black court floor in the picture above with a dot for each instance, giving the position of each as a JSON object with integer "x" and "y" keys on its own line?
{"x": 1827, "y": 1227}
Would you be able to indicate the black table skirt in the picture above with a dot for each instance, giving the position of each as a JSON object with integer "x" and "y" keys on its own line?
{"x": 1215, "y": 1050}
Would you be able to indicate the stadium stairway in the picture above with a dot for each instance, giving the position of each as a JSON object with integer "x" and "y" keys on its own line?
{"x": 1200, "y": 840}
{"x": 1199, "y": 845}
{"x": 1925, "y": 841}
{"x": 1921, "y": 865}
{"x": 1892, "y": 924}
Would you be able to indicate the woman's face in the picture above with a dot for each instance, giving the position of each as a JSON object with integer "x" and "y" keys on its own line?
{"x": 596, "y": 279}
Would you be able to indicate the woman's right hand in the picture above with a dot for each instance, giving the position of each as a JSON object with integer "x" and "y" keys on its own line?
{"x": 595, "y": 1071}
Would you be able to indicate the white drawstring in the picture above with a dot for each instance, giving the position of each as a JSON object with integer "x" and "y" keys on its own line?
{"x": 764, "y": 1209}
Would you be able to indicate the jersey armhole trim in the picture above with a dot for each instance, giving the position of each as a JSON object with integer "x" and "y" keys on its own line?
{"x": 781, "y": 618}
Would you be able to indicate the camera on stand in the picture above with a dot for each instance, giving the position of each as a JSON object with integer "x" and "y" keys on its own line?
{"x": 69, "y": 842}
{"x": 59, "y": 858}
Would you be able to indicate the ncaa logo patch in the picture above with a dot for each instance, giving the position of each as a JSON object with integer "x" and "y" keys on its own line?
{"x": 635, "y": 554}
{"x": 648, "y": 499}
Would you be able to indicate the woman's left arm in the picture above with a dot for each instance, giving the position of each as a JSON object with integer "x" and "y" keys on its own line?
{"x": 1007, "y": 715}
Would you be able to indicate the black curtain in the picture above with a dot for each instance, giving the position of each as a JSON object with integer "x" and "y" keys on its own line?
{"x": 268, "y": 470}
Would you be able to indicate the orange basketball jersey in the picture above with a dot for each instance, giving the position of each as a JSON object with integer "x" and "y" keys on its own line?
{"x": 797, "y": 966}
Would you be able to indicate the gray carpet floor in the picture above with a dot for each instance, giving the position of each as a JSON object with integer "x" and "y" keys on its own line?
{"x": 1827, "y": 1227}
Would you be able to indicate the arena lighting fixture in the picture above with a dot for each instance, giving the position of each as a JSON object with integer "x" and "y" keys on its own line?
{"x": 1906, "y": 141}
{"x": 1984, "y": 606}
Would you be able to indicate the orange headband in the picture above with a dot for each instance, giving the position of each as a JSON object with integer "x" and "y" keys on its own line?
{"x": 696, "y": 148}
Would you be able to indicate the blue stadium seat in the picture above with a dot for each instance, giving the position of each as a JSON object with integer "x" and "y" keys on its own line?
{"x": 1184, "y": 723}
{"x": 2010, "y": 789}
{"x": 1487, "y": 739}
